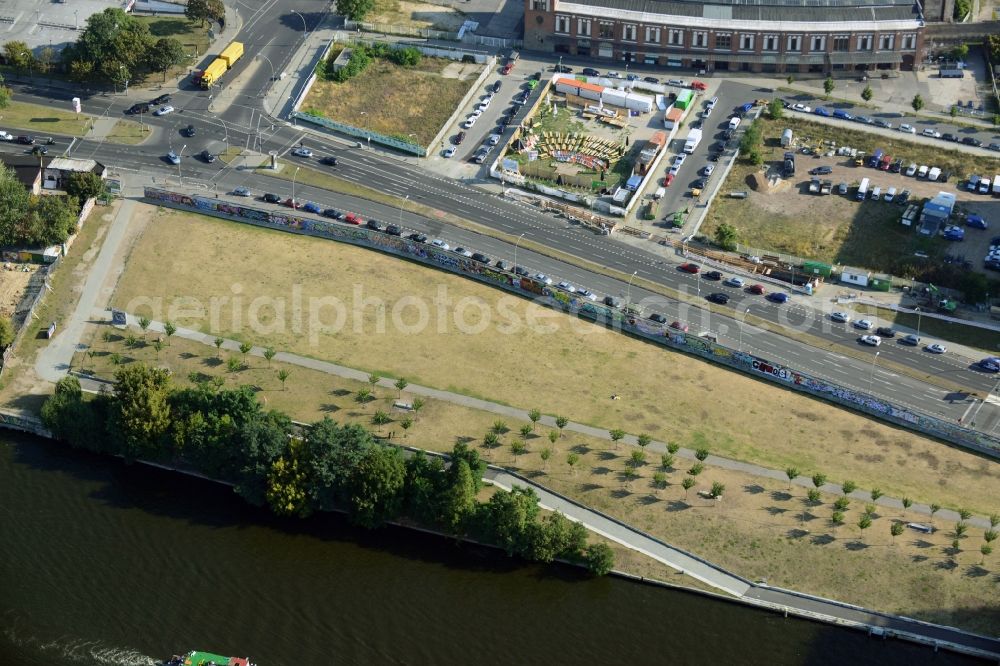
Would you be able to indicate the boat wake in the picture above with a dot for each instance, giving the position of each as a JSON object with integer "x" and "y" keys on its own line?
{"x": 76, "y": 650}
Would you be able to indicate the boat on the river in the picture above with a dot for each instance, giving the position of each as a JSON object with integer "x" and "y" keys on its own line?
{"x": 199, "y": 658}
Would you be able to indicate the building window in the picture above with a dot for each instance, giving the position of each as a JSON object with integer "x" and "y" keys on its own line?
{"x": 675, "y": 37}
{"x": 770, "y": 42}
{"x": 540, "y": 5}
{"x": 909, "y": 42}
{"x": 583, "y": 28}
{"x": 817, "y": 43}
{"x": 746, "y": 42}
{"x": 699, "y": 39}
{"x": 794, "y": 43}
{"x": 841, "y": 43}
{"x": 628, "y": 32}
{"x": 562, "y": 24}
{"x": 886, "y": 42}
{"x": 607, "y": 30}
{"x": 652, "y": 35}
{"x": 723, "y": 40}
{"x": 864, "y": 43}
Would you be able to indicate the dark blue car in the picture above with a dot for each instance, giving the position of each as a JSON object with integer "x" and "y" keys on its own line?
{"x": 311, "y": 207}
{"x": 820, "y": 111}
{"x": 778, "y": 297}
{"x": 843, "y": 115}
{"x": 976, "y": 222}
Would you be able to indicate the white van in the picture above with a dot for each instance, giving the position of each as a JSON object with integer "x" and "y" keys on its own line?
{"x": 891, "y": 194}
{"x": 734, "y": 122}
{"x": 710, "y": 104}
{"x": 876, "y": 193}
{"x": 922, "y": 171}
{"x": 933, "y": 173}
{"x": 996, "y": 185}
{"x": 985, "y": 184}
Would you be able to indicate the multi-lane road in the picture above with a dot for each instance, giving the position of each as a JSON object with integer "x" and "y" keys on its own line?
{"x": 235, "y": 118}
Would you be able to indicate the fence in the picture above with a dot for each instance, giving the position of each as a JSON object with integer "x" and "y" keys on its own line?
{"x": 523, "y": 286}
{"x": 402, "y": 30}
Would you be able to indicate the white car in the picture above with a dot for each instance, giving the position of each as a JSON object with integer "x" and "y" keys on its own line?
{"x": 934, "y": 134}
{"x": 912, "y": 169}
{"x": 302, "y": 151}
{"x": 469, "y": 123}
{"x": 543, "y": 278}
{"x": 241, "y": 192}
{"x": 801, "y": 107}
{"x": 909, "y": 129}
{"x": 437, "y": 242}
{"x": 936, "y": 348}
{"x": 566, "y": 286}
{"x": 872, "y": 340}
{"x": 707, "y": 169}
{"x": 163, "y": 110}
{"x": 613, "y": 75}
{"x": 734, "y": 282}
{"x": 586, "y": 293}
{"x": 676, "y": 82}
{"x": 173, "y": 157}
{"x": 864, "y": 324}
{"x": 449, "y": 152}
{"x": 494, "y": 139}
{"x": 462, "y": 252}
{"x": 6, "y": 136}
{"x": 476, "y": 112}
{"x": 679, "y": 159}
{"x": 841, "y": 317}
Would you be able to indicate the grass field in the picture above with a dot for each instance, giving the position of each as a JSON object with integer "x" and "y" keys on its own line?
{"x": 416, "y": 15}
{"x": 758, "y": 530}
{"x": 128, "y": 132}
{"x": 572, "y": 370}
{"x": 396, "y": 101}
{"x": 191, "y": 34}
{"x": 43, "y": 120}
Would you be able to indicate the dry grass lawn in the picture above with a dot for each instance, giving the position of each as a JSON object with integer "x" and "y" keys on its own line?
{"x": 416, "y": 15}
{"x": 758, "y": 531}
{"x": 571, "y": 370}
{"x": 43, "y": 120}
{"x": 396, "y": 101}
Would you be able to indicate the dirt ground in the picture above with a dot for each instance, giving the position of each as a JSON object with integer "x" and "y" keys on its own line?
{"x": 561, "y": 365}
{"x": 416, "y": 15}
{"x": 13, "y": 282}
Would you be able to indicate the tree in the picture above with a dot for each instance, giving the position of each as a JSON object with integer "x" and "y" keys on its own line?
{"x": 508, "y": 516}
{"x": 417, "y": 404}
{"x": 6, "y": 94}
{"x": 286, "y": 492}
{"x": 116, "y": 43}
{"x": 701, "y": 454}
{"x": 269, "y": 354}
{"x": 245, "y": 348}
{"x": 131, "y": 341}
{"x": 990, "y": 536}
{"x": 374, "y": 489}
{"x": 561, "y": 422}
{"x": 864, "y": 523}
{"x": 356, "y": 10}
{"x": 638, "y": 458}
{"x": 814, "y": 497}
{"x": 534, "y": 415}
{"x": 140, "y": 414}
{"x": 790, "y": 79}
{"x": 907, "y": 503}
{"x": 86, "y": 185}
{"x": 917, "y": 103}
{"x": 726, "y": 237}
{"x": 960, "y": 529}
{"x": 867, "y": 94}
{"x": 218, "y": 346}
{"x": 233, "y": 364}
{"x": 572, "y": 459}
{"x": 841, "y": 503}
{"x": 792, "y": 473}
{"x": 985, "y": 549}
{"x": 673, "y": 448}
{"x": 6, "y": 332}
{"x": 401, "y": 385}
{"x": 934, "y": 509}
{"x": 717, "y": 490}
{"x": 775, "y": 109}
{"x": 974, "y": 286}
{"x": 616, "y": 436}
{"x": 964, "y": 514}
{"x": 994, "y": 519}
{"x": 553, "y": 436}
{"x": 373, "y": 380}
{"x": 960, "y": 52}
{"x": 517, "y": 447}
{"x": 828, "y": 86}
{"x": 198, "y": 10}
{"x": 659, "y": 481}
{"x": 15, "y": 206}
{"x": 169, "y": 329}
{"x": 526, "y": 430}
{"x": 687, "y": 484}
{"x": 491, "y": 440}
{"x": 876, "y": 493}
{"x": 158, "y": 346}
{"x": 499, "y": 427}
{"x": 282, "y": 377}
{"x": 667, "y": 461}
{"x": 380, "y": 418}
{"x": 363, "y": 395}
{"x": 406, "y": 423}
{"x": 644, "y": 440}
{"x": 837, "y": 519}
{"x": 819, "y": 480}
{"x": 18, "y": 55}
{"x": 167, "y": 52}
{"x": 545, "y": 454}
{"x": 848, "y": 487}
{"x": 696, "y": 469}
{"x": 46, "y": 57}
{"x": 599, "y": 557}
{"x": 896, "y": 529}
{"x": 870, "y": 510}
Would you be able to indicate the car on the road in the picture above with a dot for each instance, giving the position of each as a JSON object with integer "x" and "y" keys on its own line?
{"x": 522, "y": 271}
{"x": 698, "y": 85}
{"x": 26, "y": 140}
{"x": 481, "y": 258}
{"x": 271, "y": 198}
{"x": 543, "y": 278}
{"x": 840, "y": 317}
{"x": 757, "y": 289}
{"x": 821, "y": 170}
{"x": 948, "y": 136}
{"x": 353, "y": 218}
{"x": 719, "y": 297}
{"x": 39, "y": 150}
{"x": 820, "y": 111}
{"x": 162, "y": 99}
{"x": 163, "y": 110}
{"x": 843, "y": 115}
{"x": 6, "y": 136}
{"x": 883, "y": 123}
{"x": 586, "y": 293}
{"x": 910, "y": 339}
{"x": 189, "y": 131}
{"x": 503, "y": 265}
{"x": 611, "y": 301}
{"x": 989, "y": 364}
{"x": 976, "y": 222}
{"x": 909, "y": 129}
{"x": 437, "y": 242}
{"x": 208, "y": 156}
{"x": 136, "y": 109}
{"x": 566, "y": 286}
{"x": 496, "y": 86}
{"x": 676, "y": 82}
{"x": 658, "y": 318}
{"x": 312, "y": 207}
{"x": 329, "y": 160}
{"x": 562, "y": 69}
{"x": 459, "y": 138}
{"x": 886, "y": 331}
{"x": 333, "y": 213}
{"x": 173, "y": 157}
{"x": 679, "y": 326}
{"x": 872, "y": 340}
{"x": 241, "y": 191}
{"x": 292, "y": 203}
{"x": 448, "y": 152}
{"x": 707, "y": 169}
{"x": 612, "y": 75}
{"x": 734, "y": 282}
{"x": 777, "y": 297}
{"x": 994, "y": 147}
{"x": 864, "y": 120}
{"x": 650, "y": 79}
{"x": 932, "y": 133}
{"x": 713, "y": 275}
{"x": 802, "y": 107}
{"x": 972, "y": 141}
{"x": 417, "y": 238}
{"x": 863, "y": 324}
{"x": 690, "y": 268}
{"x": 461, "y": 251}
{"x": 669, "y": 179}
{"x": 590, "y": 71}
{"x": 936, "y": 348}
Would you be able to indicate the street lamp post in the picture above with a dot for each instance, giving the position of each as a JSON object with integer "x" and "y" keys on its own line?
{"x": 261, "y": 55}
{"x": 743, "y": 321}
{"x": 179, "y": 156}
{"x": 516, "y": 243}
{"x": 628, "y": 289}
{"x": 293, "y": 186}
{"x": 871, "y": 377}
{"x": 305, "y": 28}
{"x": 917, "y": 310}
{"x": 405, "y": 199}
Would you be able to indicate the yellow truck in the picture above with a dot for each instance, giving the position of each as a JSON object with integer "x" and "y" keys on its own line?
{"x": 211, "y": 74}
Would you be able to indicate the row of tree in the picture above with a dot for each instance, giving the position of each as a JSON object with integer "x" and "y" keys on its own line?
{"x": 225, "y": 434}
{"x": 362, "y": 56}
{"x": 41, "y": 220}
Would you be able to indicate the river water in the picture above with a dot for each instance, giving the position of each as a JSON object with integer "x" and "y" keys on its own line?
{"x": 106, "y": 563}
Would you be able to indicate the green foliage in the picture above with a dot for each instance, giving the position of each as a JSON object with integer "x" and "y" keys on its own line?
{"x": 505, "y": 519}
{"x": 964, "y": 514}
{"x": 358, "y": 62}
{"x": 792, "y": 473}
{"x": 16, "y": 203}
{"x": 717, "y": 490}
{"x": 974, "y": 286}
{"x": 918, "y": 102}
{"x": 204, "y": 10}
{"x": 848, "y": 487}
{"x": 841, "y": 503}
{"x": 906, "y": 502}
{"x": 837, "y": 518}
{"x": 673, "y": 448}
{"x": 688, "y": 484}
{"x": 167, "y": 52}
{"x": 616, "y": 435}
{"x": 896, "y": 529}
{"x": 600, "y": 559}
{"x": 85, "y": 185}
{"x": 962, "y": 9}
{"x": 667, "y": 461}
{"x": 876, "y": 493}
{"x": 819, "y": 480}
{"x": 775, "y": 109}
{"x": 992, "y": 43}
{"x": 643, "y": 440}
{"x": 526, "y": 429}
{"x": 6, "y": 332}
{"x": 6, "y": 94}
{"x": 637, "y": 458}
{"x": 405, "y": 57}
{"x": 814, "y": 496}
{"x": 140, "y": 413}
{"x": 864, "y": 522}
{"x": 286, "y": 488}
{"x": 356, "y": 10}
{"x": 18, "y": 55}
{"x": 561, "y": 422}
{"x": 115, "y": 45}
{"x": 828, "y": 85}
{"x": 867, "y": 94}
{"x": 701, "y": 453}
{"x": 375, "y": 489}
{"x": 696, "y": 469}
{"x": 534, "y": 416}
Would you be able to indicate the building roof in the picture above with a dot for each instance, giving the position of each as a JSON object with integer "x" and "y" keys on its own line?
{"x": 756, "y": 15}
{"x": 73, "y": 164}
{"x": 674, "y": 114}
{"x": 26, "y": 167}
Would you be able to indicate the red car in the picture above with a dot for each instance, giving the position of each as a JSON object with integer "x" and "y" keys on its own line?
{"x": 669, "y": 179}
{"x": 351, "y": 218}
{"x": 698, "y": 85}
{"x": 679, "y": 326}
{"x": 757, "y": 289}
{"x": 292, "y": 204}
{"x": 690, "y": 268}
{"x": 506, "y": 68}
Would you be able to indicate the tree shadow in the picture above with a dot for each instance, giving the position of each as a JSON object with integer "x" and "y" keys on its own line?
{"x": 601, "y": 471}
{"x": 856, "y": 546}
{"x": 580, "y": 449}
{"x": 589, "y": 487}
{"x": 533, "y": 473}
{"x": 946, "y": 565}
{"x": 606, "y": 455}
{"x": 187, "y": 355}
{"x": 921, "y": 543}
{"x": 807, "y": 517}
{"x": 822, "y": 539}
{"x": 647, "y": 500}
{"x": 677, "y": 505}
{"x": 781, "y": 496}
{"x": 340, "y": 393}
{"x": 464, "y": 439}
{"x": 976, "y": 571}
{"x": 796, "y": 533}
{"x": 329, "y": 408}
{"x": 776, "y": 510}
{"x": 754, "y": 489}
{"x": 919, "y": 558}
{"x": 212, "y": 361}
{"x": 621, "y": 493}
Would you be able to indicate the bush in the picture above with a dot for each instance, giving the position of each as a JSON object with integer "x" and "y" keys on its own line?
{"x": 408, "y": 57}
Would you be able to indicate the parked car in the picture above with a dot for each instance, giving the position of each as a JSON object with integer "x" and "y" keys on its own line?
{"x": 698, "y": 85}
{"x": 448, "y": 152}
{"x": 418, "y": 238}
{"x": 312, "y": 207}
{"x": 543, "y": 278}
{"x": 843, "y": 115}
{"x": 909, "y": 129}
{"x": 241, "y": 192}
{"x": 976, "y": 222}
{"x": 948, "y": 136}
{"x": 932, "y": 133}
{"x": 872, "y": 340}
{"x": 820, "y": 111}
{"x": 437, "y": 242}
{"x": 719, "y": 298}
{"x": 690, "y": 268}
{"x": 463, "y": 252}
{"x": 864, "y": 120}
{"x": 292, "y": 203}
{"x": 590, "y": 71}
{"x": 883, "y": 123}
{"x": 481, "y": 258}
{"x": 26, "y": 140}
{"x": 821, "y": 170}
{"x": 333, "y": 213}
{"x": 707, "y": 169}
{"x": 6, "y": 136}
{"x": 271, "y": 198}
{"x": 658, "y": 318}
{"x": 351, "y": 218}
{"x": 650, "y": 79}
{"x": 972, "y": 141}
{"x": 679, "y": 326}
{"x": 886, "y": 331}
{"x": 566, "y": 286}
{"x": 496, "y": 86}
{"x": 586, "y": 293}
{"x": 734, "y": 282}
{"x": 936, "y": 348}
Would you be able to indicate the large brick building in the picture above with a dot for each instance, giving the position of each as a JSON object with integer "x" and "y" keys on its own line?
{"x": 735, "y": 35}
